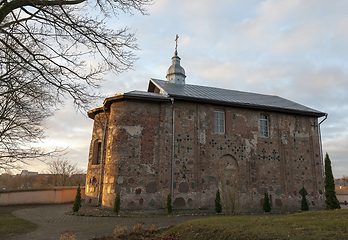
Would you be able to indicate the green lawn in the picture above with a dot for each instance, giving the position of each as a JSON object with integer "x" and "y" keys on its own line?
{"x": 11, "y": 225}
{"x": 307, "y": 225}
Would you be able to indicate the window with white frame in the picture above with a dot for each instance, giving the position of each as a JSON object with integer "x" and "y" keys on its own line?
{"x": 264, "y": 129}
{"x": 219, "y": 121}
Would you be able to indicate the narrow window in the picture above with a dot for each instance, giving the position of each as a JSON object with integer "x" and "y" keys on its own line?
{"x": 264, "y": 126}
{"x": 96, "y": 152}
{"x": 99, "y": 152}
{"x": 219, "y": 121}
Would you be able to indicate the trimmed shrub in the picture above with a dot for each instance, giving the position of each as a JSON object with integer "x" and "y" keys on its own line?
{"x": 77, "y": 202}
{"x": 218, "y": 205}
{"x": 330, "y": 193}
{"x": 117, "y": 204}
{"x": 168, "y": 206}
{"x": 266, "y": 204}
{"x": 304, "y": 203}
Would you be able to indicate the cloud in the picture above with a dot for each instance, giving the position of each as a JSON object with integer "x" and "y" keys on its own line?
{"x": 336, "y": 149}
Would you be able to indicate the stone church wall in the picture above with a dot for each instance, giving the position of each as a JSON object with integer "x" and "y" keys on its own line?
{"x": 138, "y": 154}
{"x": 93, "y": 175}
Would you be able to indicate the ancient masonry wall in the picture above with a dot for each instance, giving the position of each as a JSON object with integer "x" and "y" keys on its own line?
{"x": 139, "y": 150}
{"x": 138, "y": 155}
{"x": 281, "y": 164}
{"x": 94, "y": 171}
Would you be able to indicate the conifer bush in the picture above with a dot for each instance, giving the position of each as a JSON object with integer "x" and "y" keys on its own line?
{"x": 304, "y": 203}
{"x": 77, "y": 202}
{"x": 117, "y": 204}
{"x": 330, "y": 193}
{"x": 168, "y": 206}
{"x": 266, "y": 204}
{"x": 218, "y": 205}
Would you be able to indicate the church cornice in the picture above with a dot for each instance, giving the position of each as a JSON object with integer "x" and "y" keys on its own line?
{"x": 133, "y": 95}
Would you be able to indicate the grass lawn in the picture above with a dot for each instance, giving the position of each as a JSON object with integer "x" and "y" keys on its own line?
{"x": 11, "y": 225}
{"x": 307, "y": 225}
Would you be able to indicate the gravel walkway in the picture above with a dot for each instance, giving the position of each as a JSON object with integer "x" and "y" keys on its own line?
{"x": 53, "y": 221}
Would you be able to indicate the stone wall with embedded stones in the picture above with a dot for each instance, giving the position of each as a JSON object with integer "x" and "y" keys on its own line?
{"x": 139, "y": 149}
{"x": 93, "y": 176}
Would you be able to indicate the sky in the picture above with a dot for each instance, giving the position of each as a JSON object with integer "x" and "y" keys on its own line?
{"x": 296, "y": 49}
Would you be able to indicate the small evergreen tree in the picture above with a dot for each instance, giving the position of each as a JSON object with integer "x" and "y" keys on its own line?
{"x": 117, "y": 204}
{"x": 218, "y": 205}
{"x": 304, "y": 203}
{"x": 330, "y": 193}
{"x": 168, "y": 206}
{"x": 77, "y": 202}
{"x": 266, "y": 204}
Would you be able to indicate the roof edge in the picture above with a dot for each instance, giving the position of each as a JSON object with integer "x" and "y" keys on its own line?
{"x": 107, "y": 102}
{"x": 153, "y": 84}
{"x": 250, "y": 106}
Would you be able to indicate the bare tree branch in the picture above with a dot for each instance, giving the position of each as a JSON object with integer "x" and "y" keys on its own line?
{"x": 62, "y": 171}
{"x": 51, "y": 50}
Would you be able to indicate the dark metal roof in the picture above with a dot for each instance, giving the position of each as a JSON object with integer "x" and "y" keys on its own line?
{"x": 139, "y": 95}
{"x": 232, "y": 97}
{"x": 143, "y": 94}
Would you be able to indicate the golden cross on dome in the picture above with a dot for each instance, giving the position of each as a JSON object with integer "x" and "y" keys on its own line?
{"x": 176, "y": 40}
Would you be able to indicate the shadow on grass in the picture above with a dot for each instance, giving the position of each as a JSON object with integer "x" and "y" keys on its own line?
{"x": 11, "y": 225}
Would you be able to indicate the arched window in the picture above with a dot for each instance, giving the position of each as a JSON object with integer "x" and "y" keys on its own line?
{"x": 97, "y": 152}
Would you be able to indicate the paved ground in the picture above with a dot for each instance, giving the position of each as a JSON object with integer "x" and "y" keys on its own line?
{"x": 53, "y": 221}
{"x": 344, "y": 206}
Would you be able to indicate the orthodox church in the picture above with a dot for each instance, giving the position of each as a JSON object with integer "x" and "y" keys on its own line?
{"x": 190, "y": 140}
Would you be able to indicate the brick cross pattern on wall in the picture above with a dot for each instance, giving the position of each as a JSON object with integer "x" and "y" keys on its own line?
{"x": 183, "y": 159}
{"x": 179, "y": 140}
{"x": 188, "y": 148}
{"x": 213, "y": 155}
{"x": 213, "y": 143}
{"x": 304, "y": 141}
{"x": 314, "y": 125}
{"x": 228, "y": 143}
{"x": 275, "y": 157}
{"x": 268, "y": 142}
{"x": 263, "y": 156}
{"x": 301, "y": 163}
{"x": 294, "y": 147}
{"x": 221, "y": 148}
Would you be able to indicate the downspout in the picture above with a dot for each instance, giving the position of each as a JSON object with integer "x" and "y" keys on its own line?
{"x": 102, "y": 154}
{"x": 321, "y": 146}
{"x": 172, "y": 171}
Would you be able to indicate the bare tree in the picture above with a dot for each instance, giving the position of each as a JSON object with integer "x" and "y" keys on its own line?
{"x": 5, "y": 178}
{"x": 344, "y": 180}
{"x": 62, "y": 172}
{"x": 50, "y": 50}
{"x": 230, "y": 185}
{"x": 231, "y": 180}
